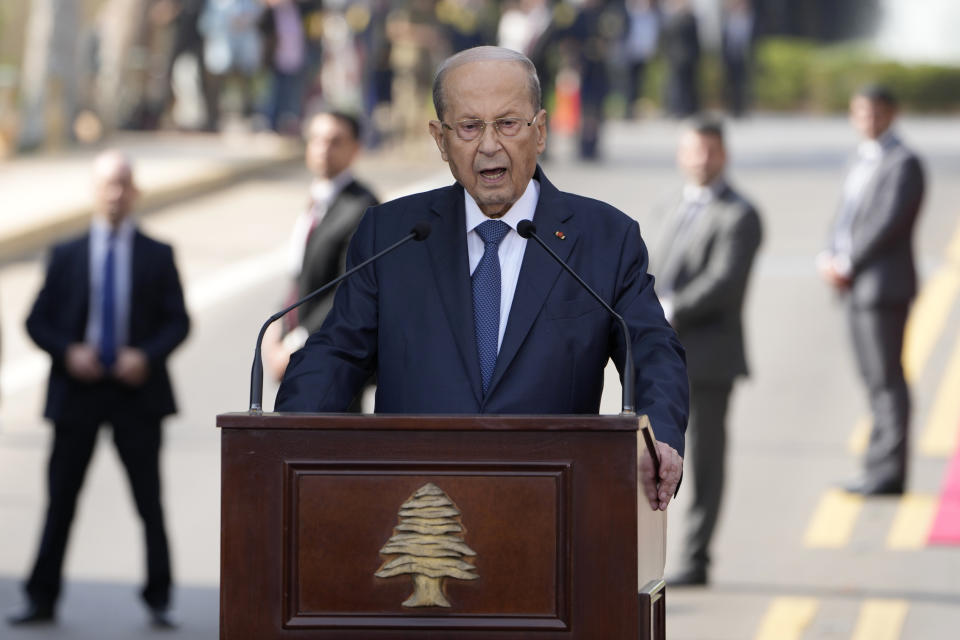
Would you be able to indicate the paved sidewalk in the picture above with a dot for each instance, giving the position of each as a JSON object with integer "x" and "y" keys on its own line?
{"x": 47, "y": 195}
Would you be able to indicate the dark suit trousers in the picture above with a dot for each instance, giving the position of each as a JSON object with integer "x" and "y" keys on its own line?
{"x": 138, "y": 443}
{"x": 706, "y": 451}
{"x": 736, "y": 85}
{"x": 682, "y": 90}
{"x": 877, "y": 334}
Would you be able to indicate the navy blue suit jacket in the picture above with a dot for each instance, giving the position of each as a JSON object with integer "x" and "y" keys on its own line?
{"x": 409, "y": 319}
{"x": 158, "y": 323}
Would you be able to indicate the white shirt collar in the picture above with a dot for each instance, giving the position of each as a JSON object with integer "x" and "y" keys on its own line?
{"x": 702, "y": 194}
{"x": 324, "y": 190}
{"x": 101, "y": 228}
{"x": 522, "y": 209}
{"x": 872, "y": 150}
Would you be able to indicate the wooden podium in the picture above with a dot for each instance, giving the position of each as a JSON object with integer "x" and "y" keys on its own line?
{"x": 376, "y": 527}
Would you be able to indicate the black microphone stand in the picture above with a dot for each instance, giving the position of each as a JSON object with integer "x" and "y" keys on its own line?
{"x": 419, "y": 232}
{"x": 527, "y": 229}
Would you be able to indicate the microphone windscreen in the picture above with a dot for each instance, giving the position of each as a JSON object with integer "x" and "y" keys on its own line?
{"x": 526, "y": 228}
{"x": 420, "y": 230}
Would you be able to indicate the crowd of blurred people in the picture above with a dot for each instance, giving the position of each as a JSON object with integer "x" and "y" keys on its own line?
{"x": 205, "y": 64}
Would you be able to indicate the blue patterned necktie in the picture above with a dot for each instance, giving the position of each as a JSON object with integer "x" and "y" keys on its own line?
{"x": 108, "y": 308}
{"x": 486, "y": 297}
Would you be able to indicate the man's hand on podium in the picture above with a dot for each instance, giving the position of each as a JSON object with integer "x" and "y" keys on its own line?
{"x": 671, "y": 468}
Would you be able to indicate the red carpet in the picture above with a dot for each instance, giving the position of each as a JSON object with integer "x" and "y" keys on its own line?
{"x": 946, "y": 526}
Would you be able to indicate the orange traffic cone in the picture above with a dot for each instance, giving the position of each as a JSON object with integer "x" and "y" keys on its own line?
{"x": 566, "y": 116}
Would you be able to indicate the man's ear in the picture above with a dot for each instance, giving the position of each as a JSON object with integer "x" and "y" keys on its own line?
{"x": 436, "y": 130}
{"x": 541, "y": 130}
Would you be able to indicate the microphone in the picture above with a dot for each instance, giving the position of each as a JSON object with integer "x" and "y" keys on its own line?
{"x": 419, "y": 232}
{"x": 527, "y": 229}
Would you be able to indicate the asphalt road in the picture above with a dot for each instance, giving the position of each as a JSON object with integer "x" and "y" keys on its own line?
{"x": 790, "y": 422}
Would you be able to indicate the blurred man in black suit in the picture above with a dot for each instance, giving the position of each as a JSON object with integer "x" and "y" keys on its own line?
{"x": 318, "y": 246}
{"x": 737, "y": 47}
{"x": 110, "y": 312}
{"x": 681, "y": 48}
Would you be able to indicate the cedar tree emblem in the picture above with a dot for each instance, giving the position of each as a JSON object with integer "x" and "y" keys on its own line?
{"x": 428, "y": 544}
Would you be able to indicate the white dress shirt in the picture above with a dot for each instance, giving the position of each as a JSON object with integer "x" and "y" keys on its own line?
{"x": 511, "y": 247}
{"x": 123, "y": 265}
{"x": 869, "y": 155}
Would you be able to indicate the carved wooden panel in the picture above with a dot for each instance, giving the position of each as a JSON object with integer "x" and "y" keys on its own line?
{"x": 340, "y": 515}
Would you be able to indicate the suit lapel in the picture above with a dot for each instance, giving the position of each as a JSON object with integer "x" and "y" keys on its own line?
{"x": 338, "y": 206}
{"x": 317, "y": 238}
{"x": 671, "y": 225}
{"x": 538, "y": 272}
{"x": 887, "y": 161}
{"x": 447, "y": 246}
{"x": 703, "y": 228}
{"x": 138, "y": 276}
{"x": 691, "y": 247}
{"x": 83, "y": 267}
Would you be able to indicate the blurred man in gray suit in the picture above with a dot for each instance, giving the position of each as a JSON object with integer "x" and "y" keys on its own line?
{"x": 870, "y": 262}
{"x": 703, "y": 261}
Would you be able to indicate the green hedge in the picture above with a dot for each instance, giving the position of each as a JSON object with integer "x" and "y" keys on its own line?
{"x": 796, "y": 74}
{"x": 801, "y": 75}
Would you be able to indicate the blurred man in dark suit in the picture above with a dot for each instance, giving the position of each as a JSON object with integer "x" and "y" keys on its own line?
{"x": 109, "y": 314}
{"x": 870, "y": 262}
{"x": 681, "y": 49}
{"x": 318, "y": 246}
{"x": 737, "y": 30}
{"x": 710, "y": 238}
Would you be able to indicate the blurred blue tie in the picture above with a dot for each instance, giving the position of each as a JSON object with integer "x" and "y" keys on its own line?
{"x": 486, "y": 297}
{"x": 108, "y": 306}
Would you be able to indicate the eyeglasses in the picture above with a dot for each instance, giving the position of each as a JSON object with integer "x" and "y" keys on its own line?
{"x": 472, "y": 128}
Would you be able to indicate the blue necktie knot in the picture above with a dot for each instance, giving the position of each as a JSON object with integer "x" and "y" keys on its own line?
{"x": 492, "y": 231}
{"x": 486, "y": 297}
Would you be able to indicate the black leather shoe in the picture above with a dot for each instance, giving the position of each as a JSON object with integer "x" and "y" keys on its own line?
{"x": 871, "y": 487}
{"x": 33, "y": 614}
{"x": 160, "y": 618}
{"x": 688, "y": 578}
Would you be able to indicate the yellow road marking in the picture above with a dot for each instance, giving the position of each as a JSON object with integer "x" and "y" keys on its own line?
{"x": 787, "y": 618}
{"x": 857, "y": 443}
{"x": 928, "y": 317}
{"x": 940, "y": 436}
{"x": 880, "y": 620}
{"x": 911, "y": 525}
{"x": 924, "y": 327}
{"x": 833, "y": 521}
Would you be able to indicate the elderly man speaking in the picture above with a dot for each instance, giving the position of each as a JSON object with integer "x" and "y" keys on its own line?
{"x": 477, "y": 321}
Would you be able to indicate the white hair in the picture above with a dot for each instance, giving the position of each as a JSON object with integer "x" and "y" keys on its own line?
{"x": 480, "y": 54}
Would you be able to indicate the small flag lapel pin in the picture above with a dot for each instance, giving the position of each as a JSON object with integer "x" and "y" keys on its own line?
{"x": 560, "y": 235}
